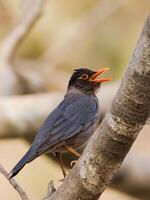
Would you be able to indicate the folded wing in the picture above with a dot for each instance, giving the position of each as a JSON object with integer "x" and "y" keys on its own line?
{"x": 74, "y": 115}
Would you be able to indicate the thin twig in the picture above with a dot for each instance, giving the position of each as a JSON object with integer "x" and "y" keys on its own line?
{"x": 14, "y": 184}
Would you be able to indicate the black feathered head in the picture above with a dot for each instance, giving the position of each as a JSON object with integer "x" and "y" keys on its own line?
{"x": 85, "y": 79}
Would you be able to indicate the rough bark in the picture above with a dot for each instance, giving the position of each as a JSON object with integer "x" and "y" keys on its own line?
{"x": 109, "y": 145}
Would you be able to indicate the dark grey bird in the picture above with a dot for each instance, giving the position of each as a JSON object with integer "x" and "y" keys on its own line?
{"x": 72, "y": 123}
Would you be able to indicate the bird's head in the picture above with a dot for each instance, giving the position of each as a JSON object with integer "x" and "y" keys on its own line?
{"x": 86, "y": 80}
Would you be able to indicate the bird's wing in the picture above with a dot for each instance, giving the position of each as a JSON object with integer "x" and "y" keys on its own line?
{"x": 72, "y": 116}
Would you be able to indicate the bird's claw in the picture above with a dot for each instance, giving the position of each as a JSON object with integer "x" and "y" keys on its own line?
{"x": 73, "y": 163}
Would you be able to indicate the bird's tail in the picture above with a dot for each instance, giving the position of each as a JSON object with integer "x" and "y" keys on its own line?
{"x": 26, "y": 158}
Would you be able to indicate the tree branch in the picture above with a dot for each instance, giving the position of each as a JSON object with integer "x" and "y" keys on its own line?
{"x": 14, "y": 184}
{"x": 22, "y": 115}
{"x": 110, "y": 144}
{"x": 134, "y": 177}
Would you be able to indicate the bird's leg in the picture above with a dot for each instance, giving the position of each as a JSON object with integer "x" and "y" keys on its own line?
{"x": 74, "y": 152}
{"x": 58, "y": 156}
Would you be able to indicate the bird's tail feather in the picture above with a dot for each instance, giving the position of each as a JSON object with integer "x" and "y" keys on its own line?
{"x": 26, "y": 158}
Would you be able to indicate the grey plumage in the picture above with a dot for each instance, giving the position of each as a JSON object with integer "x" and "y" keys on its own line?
{"x": 72, "y": 122}
{"x": 75, "y": 114}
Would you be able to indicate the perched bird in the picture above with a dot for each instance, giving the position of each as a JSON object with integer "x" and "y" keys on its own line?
{"x": 70, "y": 124}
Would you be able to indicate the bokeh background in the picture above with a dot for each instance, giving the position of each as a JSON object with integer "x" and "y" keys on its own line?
{"x": 66, "y": 35}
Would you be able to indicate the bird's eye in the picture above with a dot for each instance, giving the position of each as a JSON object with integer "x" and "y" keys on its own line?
{"x": 84, "y": 76}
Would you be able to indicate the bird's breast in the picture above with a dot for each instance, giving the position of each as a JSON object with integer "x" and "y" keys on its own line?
{"x": 80, "y": 140}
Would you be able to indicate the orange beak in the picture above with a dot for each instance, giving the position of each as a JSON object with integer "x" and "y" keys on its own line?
{"x": 98, "y": 72}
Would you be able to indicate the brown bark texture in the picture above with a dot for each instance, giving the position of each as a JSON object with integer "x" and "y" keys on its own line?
{"x": 110, "y": 144}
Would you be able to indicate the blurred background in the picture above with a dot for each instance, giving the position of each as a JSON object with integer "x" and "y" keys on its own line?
{"x": 41, "y": 42}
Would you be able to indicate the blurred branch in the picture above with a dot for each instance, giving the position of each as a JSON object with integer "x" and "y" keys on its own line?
{"x": 35, "y": 76}
{"x": 108, "y": 147}
{"x": 65, "y": 40}
{"x": 21, "y": 116}
{"x": 10, "y": 44}
{"x": 15, "y": 185}
{"x": 134, "y": 175}
{"x": 72, "y": 34}
{"x": 20, "y": 81}
{"x": 30, "y": 16}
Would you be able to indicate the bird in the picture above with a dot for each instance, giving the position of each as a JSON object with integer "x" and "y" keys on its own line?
{"x": 71, "y": 123}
